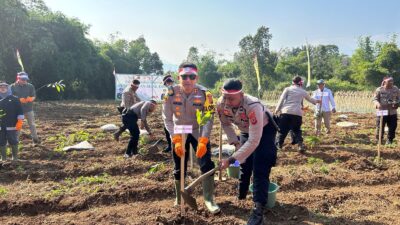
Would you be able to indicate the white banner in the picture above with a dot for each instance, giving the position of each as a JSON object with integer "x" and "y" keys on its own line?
{"x": 151, "y": 87}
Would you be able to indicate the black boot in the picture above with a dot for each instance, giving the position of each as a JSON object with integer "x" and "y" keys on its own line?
{"x": 167, "y": 149}
{"x": 256, "y": 217}
{"x": 302, "y": 148}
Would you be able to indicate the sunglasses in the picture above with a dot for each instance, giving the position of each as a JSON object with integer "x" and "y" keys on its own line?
{"x": 190, "y": 76}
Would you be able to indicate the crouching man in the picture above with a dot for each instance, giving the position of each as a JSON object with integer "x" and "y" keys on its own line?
{"x": 256, "y": 151}
{"x": 130, "y": 118}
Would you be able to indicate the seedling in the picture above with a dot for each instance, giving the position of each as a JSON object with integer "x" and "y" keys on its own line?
{"x": 312, "y": 141}
{"x": 155, "y": 168}
{"x": 3, "y": 191}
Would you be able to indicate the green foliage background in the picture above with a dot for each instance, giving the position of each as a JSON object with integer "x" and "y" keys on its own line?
{"x": 55, "y": 47}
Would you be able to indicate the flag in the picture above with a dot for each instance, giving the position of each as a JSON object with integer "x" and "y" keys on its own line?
{"x": 257, "y": 72}
{"x": 308, "y": 66}
{"x": 20, "y": 61}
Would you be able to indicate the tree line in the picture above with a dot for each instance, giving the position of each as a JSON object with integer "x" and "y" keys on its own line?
{"x": 55, "y": 47}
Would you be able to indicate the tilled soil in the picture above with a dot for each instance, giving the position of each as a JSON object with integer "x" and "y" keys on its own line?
{"x": 337, "y": 181}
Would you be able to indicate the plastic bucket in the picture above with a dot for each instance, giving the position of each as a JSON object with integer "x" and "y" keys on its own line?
{"x": 233, "y": 171}
{"x": 272, "y": 190}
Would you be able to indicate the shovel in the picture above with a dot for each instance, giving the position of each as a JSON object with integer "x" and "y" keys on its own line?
{"x": 186, "y": 194}
{"x": 153, "y": 148}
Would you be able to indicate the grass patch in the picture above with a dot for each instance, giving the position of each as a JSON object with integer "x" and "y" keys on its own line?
{"x": 313, "y": 160}
{"x": 82, "y": 184}
{"x": 62, "y": 140}
{"x": 3, "y": 191}
{"x": 312, "y": 141}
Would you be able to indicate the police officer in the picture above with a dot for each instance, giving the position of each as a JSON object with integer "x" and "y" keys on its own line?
{"x": 168, "y": 82}
{"x": 130, "y": 118}
{"x": 256, "y": 150}
{"x": 179, "y": 108}
{"x": 129, "y": 95}
{"x": 290, "y": 105}
{"x": 387, "y": 97}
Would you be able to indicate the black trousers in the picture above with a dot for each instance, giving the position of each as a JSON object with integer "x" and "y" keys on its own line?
{"x": 259, "y": 163}
{"x": 129, "y": 122}
{"x": 391, "y": 122}
{"x": 205, "y": 163}
{"x": 288, "y": 122}
{"x": 168, "y": 137}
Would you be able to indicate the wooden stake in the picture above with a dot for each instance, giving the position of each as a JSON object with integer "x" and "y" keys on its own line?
{"x": 191, "y": 151}
{"x": 220, "y": 150}
{"x": 380, "y": 136}
{"x": 183, "y": 173}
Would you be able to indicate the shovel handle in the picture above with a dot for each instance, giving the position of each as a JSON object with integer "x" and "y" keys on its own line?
{"x": 200, "y": 178}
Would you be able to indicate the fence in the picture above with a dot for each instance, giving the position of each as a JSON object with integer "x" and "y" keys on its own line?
{"x": 346, "y": 101}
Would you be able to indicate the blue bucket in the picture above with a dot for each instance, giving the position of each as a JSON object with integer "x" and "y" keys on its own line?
{"x": 272, "y": 190}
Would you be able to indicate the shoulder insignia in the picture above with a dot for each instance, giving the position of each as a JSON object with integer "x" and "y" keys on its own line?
{"x": 253, "y": 118}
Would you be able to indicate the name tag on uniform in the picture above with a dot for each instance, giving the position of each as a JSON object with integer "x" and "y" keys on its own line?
{"x": 324, "y": 94}
{"x": 183, "y": 129}
{"x": 382, "y": 112}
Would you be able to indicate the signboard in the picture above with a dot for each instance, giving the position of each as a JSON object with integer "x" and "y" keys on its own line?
{"x": 382, "y": 112}
{"x": 183, "y": 129}
{"x": 151, "y": 86}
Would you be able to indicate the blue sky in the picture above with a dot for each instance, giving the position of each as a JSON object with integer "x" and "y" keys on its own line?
{"x": 171, "y": 27}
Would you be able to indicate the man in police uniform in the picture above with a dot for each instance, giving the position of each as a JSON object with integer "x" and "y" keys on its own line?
{"x": 168, "y": 82}
{"x": 256, "y": 151}
{"x": 129, "y": 96}
{"x": 387, "y": 97}
{"x": 179, "y": 108}
{"x": 130, "y": 118}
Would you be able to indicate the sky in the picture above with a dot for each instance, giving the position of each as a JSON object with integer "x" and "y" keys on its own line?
{"x": 171, "y": 27}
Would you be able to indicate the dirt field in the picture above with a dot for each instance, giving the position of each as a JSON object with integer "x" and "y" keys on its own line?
{"x": 335, "y": 182}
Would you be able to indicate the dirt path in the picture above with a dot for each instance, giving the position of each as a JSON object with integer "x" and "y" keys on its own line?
{"x": 335, "y": 182}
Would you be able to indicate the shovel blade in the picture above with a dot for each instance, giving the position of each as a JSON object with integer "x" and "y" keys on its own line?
{"x": 153, "y": 149}
{"x": 188, "y": 199}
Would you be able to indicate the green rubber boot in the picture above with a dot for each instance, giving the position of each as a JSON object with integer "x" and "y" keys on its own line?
{"x": 208, "y": 194}
{"x": 3, "y": 150}
{"x": 177, "y": 193}
{"x": 14, "y": 151}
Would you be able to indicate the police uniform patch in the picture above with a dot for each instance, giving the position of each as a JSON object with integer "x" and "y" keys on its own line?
{"x": 253, "y": 118}
{"x": 243, "y": 116}
{"x": 197, "y": 101}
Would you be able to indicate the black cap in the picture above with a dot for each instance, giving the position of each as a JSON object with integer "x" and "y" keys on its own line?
{"x": 232, "y": 84}
{"x": 297, "y": 79}
{"x": 136, "y": 82}
{"x": 167, "y": 78}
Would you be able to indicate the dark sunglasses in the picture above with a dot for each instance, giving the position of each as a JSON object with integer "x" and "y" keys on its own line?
{"x": 190, "y": 76}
